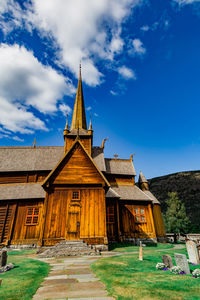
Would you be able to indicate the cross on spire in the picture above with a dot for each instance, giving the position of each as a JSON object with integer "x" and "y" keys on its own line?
{"x": 116, "y": 156}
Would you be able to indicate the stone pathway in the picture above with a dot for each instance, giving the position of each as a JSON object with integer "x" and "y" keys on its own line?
{"x": 71, "y": 278}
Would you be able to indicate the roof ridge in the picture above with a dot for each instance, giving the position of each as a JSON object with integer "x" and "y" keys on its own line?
{"x": 29, "y": 147}
{"x": 121, "y": 159}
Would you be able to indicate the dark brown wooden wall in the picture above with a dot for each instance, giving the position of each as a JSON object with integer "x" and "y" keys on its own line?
{"x": 130, "y": 228}
{"x": 22, "y": 177}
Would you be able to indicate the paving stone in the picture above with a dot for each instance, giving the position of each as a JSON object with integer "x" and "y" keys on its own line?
{"x": 71, "y": 278}
{"x": 87, "y": 279}
{"x": 78, "y": 271}
{"x": 81, "y": 276}
{"x": 56, "y": 277}
{"x": 93, "y": 298}
{"x": 59, "y": 281}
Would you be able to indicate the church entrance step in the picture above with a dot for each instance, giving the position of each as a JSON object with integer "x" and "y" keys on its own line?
{"x": 68, "y": 248}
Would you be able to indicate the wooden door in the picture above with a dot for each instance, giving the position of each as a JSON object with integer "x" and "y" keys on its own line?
{"x": 73, "y": 223}
{"x": 111, "y": 220}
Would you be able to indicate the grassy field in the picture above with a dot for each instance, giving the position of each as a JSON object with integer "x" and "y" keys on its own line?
{"x": 127, "y": 278}
{"x": 22, "y": 282}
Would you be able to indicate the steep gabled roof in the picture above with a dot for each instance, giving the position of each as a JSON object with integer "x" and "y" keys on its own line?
{"x": 77, "y": 141}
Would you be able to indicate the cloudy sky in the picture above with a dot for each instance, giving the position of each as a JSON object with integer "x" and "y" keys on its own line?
{"x": 141, "y": 74}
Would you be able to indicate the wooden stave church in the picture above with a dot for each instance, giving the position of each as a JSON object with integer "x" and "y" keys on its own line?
{"x": 50, "y": 194}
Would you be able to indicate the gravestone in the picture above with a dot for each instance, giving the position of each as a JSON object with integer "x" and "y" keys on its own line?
{"x": 181, "y": 261}
{"x": 3, "y": 258}
{"x": 167, "y": 261}
{"x": 141, "y": 252}
{"x": 192, "y": 252}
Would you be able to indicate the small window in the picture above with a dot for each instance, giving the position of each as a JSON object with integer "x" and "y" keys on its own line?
{"x": 76, "y": 195}
{"x": 110, "y": 214}
{"x": 32, "y": 216}
{"x": 140, "y": 215}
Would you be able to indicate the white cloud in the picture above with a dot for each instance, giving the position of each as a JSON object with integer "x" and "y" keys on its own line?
{"x": 88, "y": 108}
{"x": 185, "y": 2}
{"x": 145, "y": 28}
{"x": 16, "y": 118}
{"x": 16, "y": 138}
{"x": 113, "y": 93}
{"x": 138, "y": 48}
{"x": 126, "y": 73}
{"x": 26, "y": 83}
{"x": 65, "y": 109}
{"x": 82, "y": 30}
{"x": 96, "y": 115}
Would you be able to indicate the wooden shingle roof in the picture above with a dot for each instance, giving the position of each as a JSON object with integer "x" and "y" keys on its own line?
{"x": 120, "y": 166}
{"x": 29, "y": 158}
{"x": 130, "y": 192}
{"x": 13, "y": 159}
{"x": 152, "y": 197}
{"x": 21, "y": 191}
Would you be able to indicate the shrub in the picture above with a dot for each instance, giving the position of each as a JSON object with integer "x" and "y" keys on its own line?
{"x": 177, "y": 270}
{"x": 196, "y": 273}
{"x": 160, "y": 266}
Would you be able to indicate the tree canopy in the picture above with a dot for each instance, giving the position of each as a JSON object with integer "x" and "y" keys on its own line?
{"x": 176, "y": 220}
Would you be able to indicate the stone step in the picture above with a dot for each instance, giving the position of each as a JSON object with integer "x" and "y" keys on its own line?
{"x": 69, "y": 248}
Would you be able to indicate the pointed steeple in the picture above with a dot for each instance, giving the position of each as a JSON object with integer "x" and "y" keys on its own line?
{"x": 66, "y": 126}
{"x": 79, "y": 117}
{"x": 143, "y": 182}
{"x": 142, "y": 178}
{"x": 90, "y": 125}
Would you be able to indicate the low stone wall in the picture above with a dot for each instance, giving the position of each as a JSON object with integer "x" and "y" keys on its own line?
{"x": 181, "y": 238}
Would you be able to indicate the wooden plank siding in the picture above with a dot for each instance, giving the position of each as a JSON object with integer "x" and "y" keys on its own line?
{"x": 86, "y": 141}
{"x": 64, "y": 216}
{"x": 22, "y": 177}
{"x": 22, "y": 233}
{"x": 133, "y": 229}
{"x": 77, "y": 168}
{"x": 158, "y": 221}
{"x": 112, "y": 219}
{"x": 7, "y": 215}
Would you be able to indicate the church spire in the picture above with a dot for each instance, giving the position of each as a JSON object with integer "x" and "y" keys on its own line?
{"x": 79, "y": 117}
{"x": 143, "y": 182}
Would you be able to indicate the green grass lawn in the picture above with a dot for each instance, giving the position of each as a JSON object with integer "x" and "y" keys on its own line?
{"x": 127, "y": 247}
{"x": 22, "y": 282}
{"x": 126, "y": 277}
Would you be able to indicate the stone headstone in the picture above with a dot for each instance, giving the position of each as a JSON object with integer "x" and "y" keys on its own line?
{"x": 3, "y": 258}
{"x": 181, "y": 261}
{"x": 167, "y": 261}
{"x": 192, "y": 252}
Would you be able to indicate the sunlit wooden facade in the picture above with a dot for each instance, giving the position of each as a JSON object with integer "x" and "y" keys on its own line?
{"x": 50, "y": 194}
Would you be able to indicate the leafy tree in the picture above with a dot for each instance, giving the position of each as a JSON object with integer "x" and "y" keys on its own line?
{"x": 176, "y": 220}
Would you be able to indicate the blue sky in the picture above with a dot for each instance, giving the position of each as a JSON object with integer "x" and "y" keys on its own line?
{"x": 140, "y": 68}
